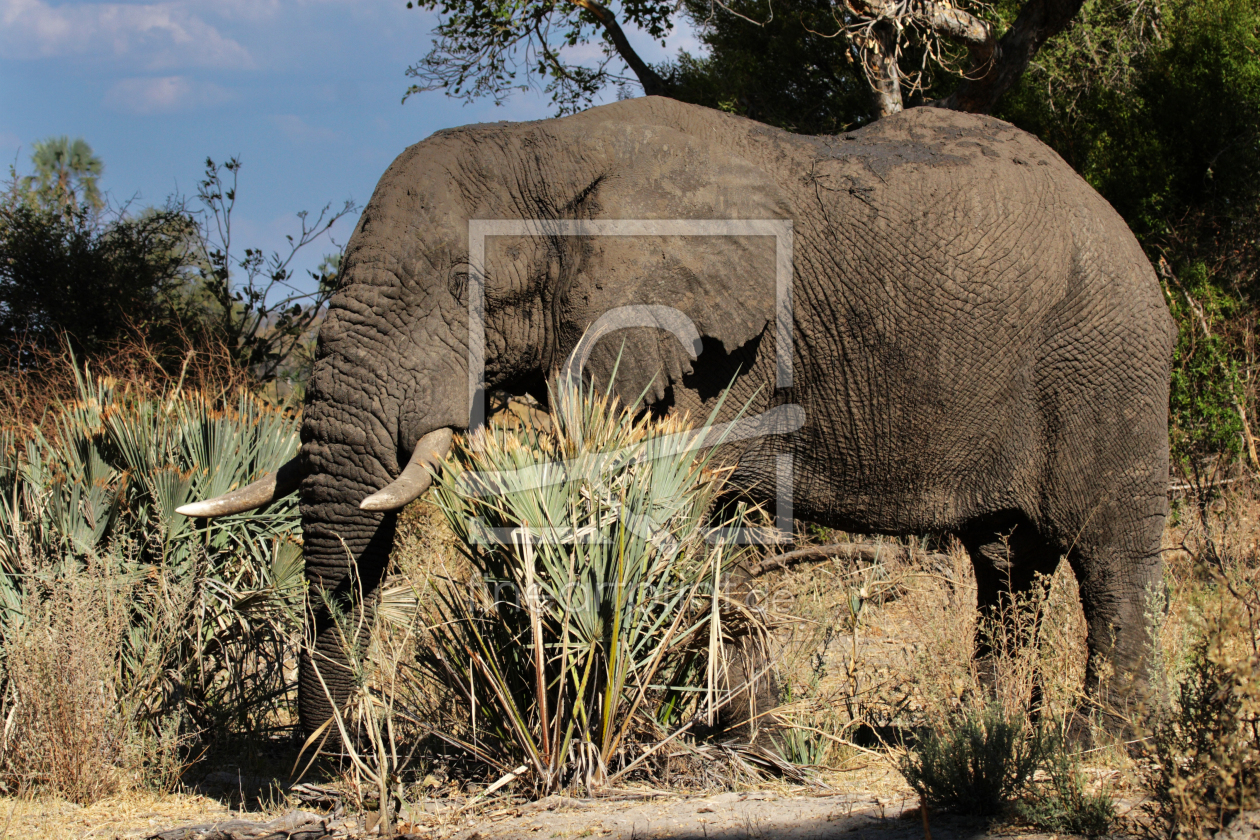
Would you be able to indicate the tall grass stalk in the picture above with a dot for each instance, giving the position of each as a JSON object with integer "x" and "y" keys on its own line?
{"x": 598, "y": 620}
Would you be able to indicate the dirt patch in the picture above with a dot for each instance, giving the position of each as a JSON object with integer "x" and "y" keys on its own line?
{"x": 135, "y": 815}
{"x": 792, "y": 814}
{"x": 866, "y": 801}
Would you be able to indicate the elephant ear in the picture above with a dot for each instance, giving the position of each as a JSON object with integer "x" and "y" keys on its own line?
{"x": 720, "y": 284}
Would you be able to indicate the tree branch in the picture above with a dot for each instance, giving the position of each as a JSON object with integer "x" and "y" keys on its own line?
{"x": 653, "y": 84}
{"x": 884, "y": 23}
{"x": 961, "y": 26}
{"x": 994, "y": 71}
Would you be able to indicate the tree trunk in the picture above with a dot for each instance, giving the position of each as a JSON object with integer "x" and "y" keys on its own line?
{"x": 653, "y": 84}
{"x": 994, "y": 71}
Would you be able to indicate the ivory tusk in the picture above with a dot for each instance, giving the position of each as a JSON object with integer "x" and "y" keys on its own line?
{"x": 264, "y": 491}
{"x": 416, "y": 476}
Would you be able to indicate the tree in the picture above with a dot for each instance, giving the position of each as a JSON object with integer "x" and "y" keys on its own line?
{"x": 168, "y": 276}
{"x": 66, "y": 272}
{"x": 482, "y": 45}
{"x": 254, "y": 306}
{"x": 66, "y": 172}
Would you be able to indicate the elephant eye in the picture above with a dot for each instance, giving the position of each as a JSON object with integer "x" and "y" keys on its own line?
{"x": 457, "y": 281}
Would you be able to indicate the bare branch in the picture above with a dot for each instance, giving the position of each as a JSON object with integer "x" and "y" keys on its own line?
{"x": 883, "y": 26}
{"x": 862, "y": 552}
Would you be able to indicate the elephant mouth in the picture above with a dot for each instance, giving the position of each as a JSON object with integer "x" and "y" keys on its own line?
{"x": 416, "y": 477}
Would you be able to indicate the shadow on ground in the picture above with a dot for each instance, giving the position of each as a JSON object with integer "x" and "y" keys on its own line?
{"x": 727, "y": 816}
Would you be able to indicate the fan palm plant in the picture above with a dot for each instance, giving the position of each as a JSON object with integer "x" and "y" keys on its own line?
{"x": 217, "y": 605}
{"x": 66, "y": 172}
{"x": 599, "y": 616}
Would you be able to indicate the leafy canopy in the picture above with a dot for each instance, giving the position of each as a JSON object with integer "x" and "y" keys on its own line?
{"x": 66, "y": 172}
{"x": 492, "y": 48}
{"x": 782, "y": 71}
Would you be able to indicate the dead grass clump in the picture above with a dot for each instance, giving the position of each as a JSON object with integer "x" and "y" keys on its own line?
{"x": 66, "y": 732}
{"x": 1206, "y": 741}
{"x": 880, "y": 649}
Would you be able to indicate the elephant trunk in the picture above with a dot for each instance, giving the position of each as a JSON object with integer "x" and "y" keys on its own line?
{"x": 359, "y": 426}
{"x": 347, "y": 558}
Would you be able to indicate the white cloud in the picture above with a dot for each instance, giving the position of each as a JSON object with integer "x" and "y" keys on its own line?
{"x": 296, "y": 128}
{"x": 684, "y": 37}
{"x": 162, "y": 94}
{"x": 160, "y": 35}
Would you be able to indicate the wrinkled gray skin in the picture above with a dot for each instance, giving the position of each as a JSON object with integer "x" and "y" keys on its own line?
{"x": 980, "y": 346}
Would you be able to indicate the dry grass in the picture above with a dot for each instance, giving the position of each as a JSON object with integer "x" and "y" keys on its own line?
{"x": 134, "y": 815}
{"x": 66, "y": 733}
{"x": 1205, "y": 752}
{"x": 33, "y": 379}
{"x": 126, "y": 633}
{"x": 880, "y": 649}
{"x": 867, "y": 653}
{"x": 908, "y": 664}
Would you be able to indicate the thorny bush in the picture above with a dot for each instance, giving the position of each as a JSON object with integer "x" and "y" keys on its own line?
{"x": 1206, "y": 742}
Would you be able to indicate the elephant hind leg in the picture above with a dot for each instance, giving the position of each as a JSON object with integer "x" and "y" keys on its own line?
{"x": 1010, "y": 558}
{"x": 1118, "y": 568}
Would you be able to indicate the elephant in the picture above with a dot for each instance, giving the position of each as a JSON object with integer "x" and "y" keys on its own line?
{"x": 972, "y": 340}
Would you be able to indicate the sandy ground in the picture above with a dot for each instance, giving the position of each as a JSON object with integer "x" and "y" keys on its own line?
{"x": 870, "y": 802}
{"x": 753, "y": 814}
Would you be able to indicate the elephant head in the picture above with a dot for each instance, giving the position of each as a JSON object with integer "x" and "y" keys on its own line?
{"x": 415, "y": 317}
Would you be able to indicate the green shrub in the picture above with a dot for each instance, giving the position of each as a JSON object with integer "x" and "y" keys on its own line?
{"x": 1063, "y": 803}
{"x": 202, "y": 615}
{"x": 597, "y": 623}
{"x": 977, "y": 765}
{"x": 70, "y": 273}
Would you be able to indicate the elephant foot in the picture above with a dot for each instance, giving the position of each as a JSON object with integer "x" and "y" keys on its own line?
{"x": 752, "y": 694}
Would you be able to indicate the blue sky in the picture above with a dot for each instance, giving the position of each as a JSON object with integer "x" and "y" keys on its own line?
{"x": 306, "y": 92}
